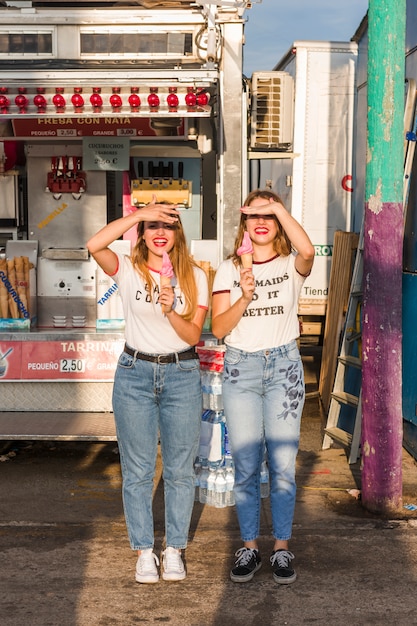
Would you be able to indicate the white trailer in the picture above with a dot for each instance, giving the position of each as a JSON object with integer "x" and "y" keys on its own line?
{"x": 102, "y": 104}
{"x": 313, "y": 173}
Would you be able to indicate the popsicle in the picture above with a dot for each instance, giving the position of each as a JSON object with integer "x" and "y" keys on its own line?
{"x": 246, "y": 250}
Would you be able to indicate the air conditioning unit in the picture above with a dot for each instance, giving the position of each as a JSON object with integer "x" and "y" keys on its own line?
{"x": 272, "y": 111}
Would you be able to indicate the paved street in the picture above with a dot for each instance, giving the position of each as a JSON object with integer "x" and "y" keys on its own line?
{"x": 66, "y": 559}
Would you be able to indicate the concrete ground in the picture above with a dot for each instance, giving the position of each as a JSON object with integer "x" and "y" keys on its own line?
{"x": 66, "y": 561}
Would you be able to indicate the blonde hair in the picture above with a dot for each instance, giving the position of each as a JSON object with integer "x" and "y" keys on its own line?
{"x": 281, "y": 243}
{"x": 182, "y": 264}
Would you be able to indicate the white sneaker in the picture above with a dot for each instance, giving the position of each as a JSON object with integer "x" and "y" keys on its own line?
{"x": 146, "y": 571}
{"x": 172, "y": 564}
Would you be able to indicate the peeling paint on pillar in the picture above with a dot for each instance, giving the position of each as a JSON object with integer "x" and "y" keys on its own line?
{"x": 383, "y": 227}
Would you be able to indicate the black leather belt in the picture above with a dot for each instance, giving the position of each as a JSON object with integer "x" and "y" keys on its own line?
{"x": 162, "y": 358}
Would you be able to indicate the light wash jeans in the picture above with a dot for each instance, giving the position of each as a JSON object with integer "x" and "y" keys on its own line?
{"x": 151, "y": 400}
{"x": 263, "y": 395}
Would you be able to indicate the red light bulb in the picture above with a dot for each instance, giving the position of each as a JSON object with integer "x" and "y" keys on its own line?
{"x": 77, "y": 100}
{"x": 202, "y": 98}
{"x": 172, "y": 100}
{"x": 190, "y": 99}
{"x": 39, "y": 101}
{"x": 59, "y": 101}
{"x": 21, "y": 101}
{"x": 4, "y": 102}
{"x": 153, "y": 100}
{"x": 96, "y": 100}
{"x": 116, "y": 101}
{"x": 134, "y": 100}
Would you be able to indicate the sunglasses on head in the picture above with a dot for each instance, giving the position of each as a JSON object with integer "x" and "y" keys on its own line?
{"x": 256, "y": 216}
{"x": 158, "y": 225}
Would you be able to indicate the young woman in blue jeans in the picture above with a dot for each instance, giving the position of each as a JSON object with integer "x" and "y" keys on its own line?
{"x": 255, "y": 311}
{"x": 157, "y": 389}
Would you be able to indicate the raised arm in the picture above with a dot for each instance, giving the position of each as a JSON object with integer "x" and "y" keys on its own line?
{"x": 295, "y": 232}
{"x": 98, "y": 244}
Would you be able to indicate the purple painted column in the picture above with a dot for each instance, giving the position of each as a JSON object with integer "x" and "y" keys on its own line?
{"x": 383, "y": 237}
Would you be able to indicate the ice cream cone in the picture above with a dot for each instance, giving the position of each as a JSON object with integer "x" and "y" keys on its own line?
{"x": 12, "y": 280}
{"x": 165, "y": 281}
{"x": 246, "y": 260}
{"x": 4, "y": 303}
{"x": 22, "y": 297}
{"x": 4, "y": 296}
{"x": 245, "y": 251}
{"x": 14, "y": 312}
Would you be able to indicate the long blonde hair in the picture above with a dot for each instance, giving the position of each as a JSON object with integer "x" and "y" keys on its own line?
{"x": 181, "y": 261}
{"x": 281, "y": 243}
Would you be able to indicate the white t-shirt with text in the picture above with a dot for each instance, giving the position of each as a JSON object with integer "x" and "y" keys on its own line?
{"x": 147, "y": 329}
{"x": 270, "y": 320}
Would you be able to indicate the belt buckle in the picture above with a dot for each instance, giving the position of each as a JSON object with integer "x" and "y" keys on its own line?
{"x": 163, "y": 359}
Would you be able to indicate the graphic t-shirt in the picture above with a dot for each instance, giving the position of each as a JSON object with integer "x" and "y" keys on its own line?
{"x": 270, "y": 320}
{"x": 146, "y": 327}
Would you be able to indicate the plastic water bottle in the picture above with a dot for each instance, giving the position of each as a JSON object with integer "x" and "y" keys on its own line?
{"x": 230, "y": 481}
{"x": 220, "y": 489}
{"x": 205, "y": 388}
{"x": 215, "y": 387}
{"x": 215, "y": 454}
{"x": 264, "y": 480}
{"x": 197, "y": 473}
{"x": 211, "y": 480}
{"x": 203, "y": 484}
{"x": 211, "y": 387}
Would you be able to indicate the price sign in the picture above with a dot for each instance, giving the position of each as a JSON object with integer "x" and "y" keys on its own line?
{"x": 108, "y": 154}
{"x": 72, "y": 365}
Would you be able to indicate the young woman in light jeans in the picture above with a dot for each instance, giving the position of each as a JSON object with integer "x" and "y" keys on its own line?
{"x": 157, "y": 388}
{"x": 255, "y": 310}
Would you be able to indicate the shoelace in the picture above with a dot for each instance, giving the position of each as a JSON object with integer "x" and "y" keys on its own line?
{"x": 173, "y": 560}
{"x": 244, "y": 555}
{"x": 283, "y": 558}
{"x": 146, "y": 561}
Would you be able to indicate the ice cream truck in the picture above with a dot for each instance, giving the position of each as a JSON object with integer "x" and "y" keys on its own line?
{"x": 102, "y": 105}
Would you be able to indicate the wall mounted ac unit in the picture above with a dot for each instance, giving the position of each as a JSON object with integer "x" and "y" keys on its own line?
{"x": 272, "y": 111}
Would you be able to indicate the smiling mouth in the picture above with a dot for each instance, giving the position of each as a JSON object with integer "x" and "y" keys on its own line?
{"x": 261, "y": 231}
{"x": 160, "y": 242}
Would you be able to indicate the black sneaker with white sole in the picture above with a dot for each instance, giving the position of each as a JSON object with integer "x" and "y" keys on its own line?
{"x": 284, "y": 573}
{"x": 248, "y": 562}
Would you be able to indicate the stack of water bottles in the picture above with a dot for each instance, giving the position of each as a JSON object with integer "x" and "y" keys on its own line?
{"x": 214, "y": 469}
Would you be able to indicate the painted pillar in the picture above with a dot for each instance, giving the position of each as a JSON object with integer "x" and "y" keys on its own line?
{"x": 383, "y": 238}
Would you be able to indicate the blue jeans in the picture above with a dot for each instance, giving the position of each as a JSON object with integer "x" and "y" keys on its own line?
{"x": 263, "y": 395}
{"x": 151, "y": 400}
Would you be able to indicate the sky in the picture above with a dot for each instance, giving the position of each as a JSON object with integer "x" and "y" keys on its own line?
{"x": 273, "y": 25}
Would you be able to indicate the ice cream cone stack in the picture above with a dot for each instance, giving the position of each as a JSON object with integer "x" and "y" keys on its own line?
{"x": 22, "y": 279}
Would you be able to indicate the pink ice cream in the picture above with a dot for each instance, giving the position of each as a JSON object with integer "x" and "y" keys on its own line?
{"x": 166, "y": 273}
{"x": 166, "y": 270}
{"x": 246, "y": 250}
